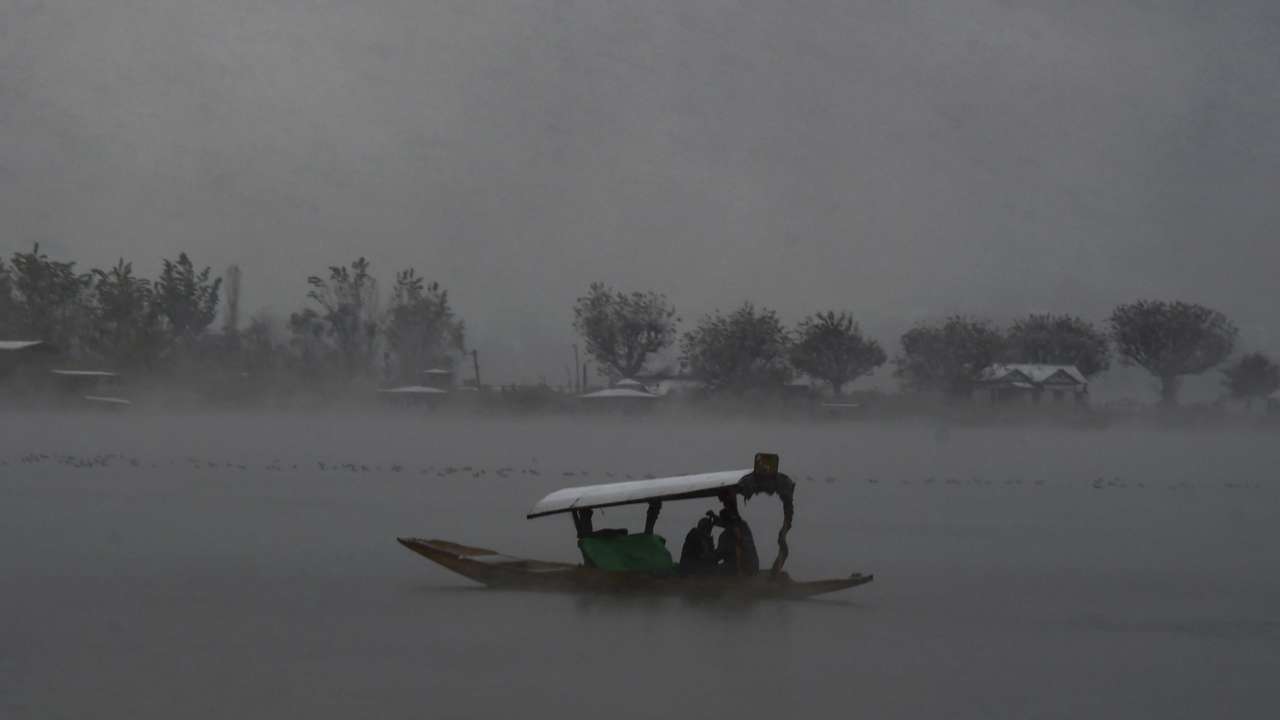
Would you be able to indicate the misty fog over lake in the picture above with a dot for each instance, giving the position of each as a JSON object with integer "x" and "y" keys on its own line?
{"x": 284, "y": 281}
{"x": 1045, "y": 572}
{"x": 909, "y": 159}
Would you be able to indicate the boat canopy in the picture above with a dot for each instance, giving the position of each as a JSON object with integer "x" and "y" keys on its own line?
{"x": 679, "y": 487}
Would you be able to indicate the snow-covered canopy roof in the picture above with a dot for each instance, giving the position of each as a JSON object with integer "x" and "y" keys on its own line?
{"x": 437, "y": 371}
{"x": 629, "y": 383}
{"x": 1034, "y": 373}
{"x": 618, "y": 393}
{"x": 414, "y": 390}
{"x": 637, "y": 491}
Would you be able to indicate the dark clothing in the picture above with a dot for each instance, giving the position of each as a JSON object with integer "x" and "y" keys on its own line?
{"x": 737, "y": 549}
{"x": 698, "y": 555}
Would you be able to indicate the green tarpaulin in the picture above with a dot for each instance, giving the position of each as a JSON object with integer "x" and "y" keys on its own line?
{"x": 628, "y": 553}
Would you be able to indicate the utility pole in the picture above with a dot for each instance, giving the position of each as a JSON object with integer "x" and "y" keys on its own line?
{"x": 475, "y": 363}
{"x": 232, "y": 318}
{"x": 576, "y": 368}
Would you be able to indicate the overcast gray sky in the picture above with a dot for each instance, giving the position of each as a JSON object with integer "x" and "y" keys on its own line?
{"x": 897, "y": 158}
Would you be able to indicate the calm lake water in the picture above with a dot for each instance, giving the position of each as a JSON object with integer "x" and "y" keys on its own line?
{"x": 245, "y": 566}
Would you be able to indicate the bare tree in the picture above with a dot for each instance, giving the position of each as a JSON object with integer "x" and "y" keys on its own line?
{"x": 622, "y": 331}
{"x": 420, "y": 326}
{"x": 231, "y": 323}
{"x": 831, "y": 347}
{"x": 309, "y": 342}
{"x": 259, "y": 352}
{"x": 348, "y": 299}
{"x": 1171, "y": 339}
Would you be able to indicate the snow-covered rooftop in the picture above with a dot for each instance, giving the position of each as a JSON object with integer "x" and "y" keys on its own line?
{"x": 85, "y": 373}
{"x": 616, "y": 392}
{"x": 107, "y": 400}
{"x": 14, "y": 345}
{"x": 414, "y": 390}
{"x": 1034, "y": 372}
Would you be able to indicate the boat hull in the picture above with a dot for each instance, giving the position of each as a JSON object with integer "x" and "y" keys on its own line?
{"x": 496, "y": 570}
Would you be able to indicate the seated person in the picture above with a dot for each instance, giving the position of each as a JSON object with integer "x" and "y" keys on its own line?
{"x": 698, "y": 555}
{"x": 736, "y": 549}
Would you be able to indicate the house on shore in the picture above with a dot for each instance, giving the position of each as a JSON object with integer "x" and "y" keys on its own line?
{"x": 1033, "y": 384}
{"x": 438, "y": 378}
{"x": 413, "y": 395}
{"x": 665, "y": 383}
{"x": 24, "y": 370}
{"x": 19, "y": 353}
{"x": 623, "y": 399}
{"x": 91, "y": 388}
{"x": 25, "y": 347}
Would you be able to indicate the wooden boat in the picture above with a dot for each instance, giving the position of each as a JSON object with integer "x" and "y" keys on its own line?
{"x": 503, "y": 571}
{"x": 497, "y": 570}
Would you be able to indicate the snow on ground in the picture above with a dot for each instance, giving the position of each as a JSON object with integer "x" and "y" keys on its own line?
{"x": 245, "y": 566}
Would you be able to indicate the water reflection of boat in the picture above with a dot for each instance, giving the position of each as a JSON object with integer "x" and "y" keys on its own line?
{"x": 618, "y": 562}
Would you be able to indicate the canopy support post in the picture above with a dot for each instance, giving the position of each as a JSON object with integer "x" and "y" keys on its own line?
{"x": 582, "y": 522}
{"x": 651, "y": 516}
{"x": 788, "y": 511}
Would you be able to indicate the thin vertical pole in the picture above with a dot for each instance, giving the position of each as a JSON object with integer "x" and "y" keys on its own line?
{"x": 576, "y": 369}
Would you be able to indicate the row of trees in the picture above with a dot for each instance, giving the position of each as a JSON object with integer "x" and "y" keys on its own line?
{"x": 116, "y": 318}
{"x": 1170, "y": 340}
{"x": 109, "y": 315}
{"x": 345, "y": 328}
{"x": 745, "y": 349}
{"x": 750, "y": 348}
